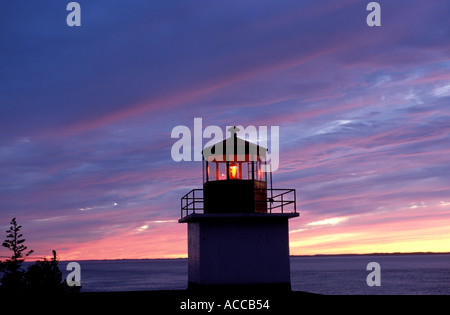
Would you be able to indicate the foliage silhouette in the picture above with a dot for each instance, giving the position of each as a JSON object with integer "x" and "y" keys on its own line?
{"x": 15, "y": 241}
{"x": 13, "y": 278}
{"x": 42, "y": 277}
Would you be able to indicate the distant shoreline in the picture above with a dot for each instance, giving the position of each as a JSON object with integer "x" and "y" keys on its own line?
{"x": 313, "y": 255}
{"x": 375, "y": 254}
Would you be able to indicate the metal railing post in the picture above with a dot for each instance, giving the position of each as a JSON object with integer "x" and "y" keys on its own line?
{"x": 295, "y": 202}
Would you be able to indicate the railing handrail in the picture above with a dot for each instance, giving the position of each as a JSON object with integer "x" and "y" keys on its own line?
{"x": 194, "y": 199}
{"x": 282, "y": 202}
{"x": 189, "y": 200}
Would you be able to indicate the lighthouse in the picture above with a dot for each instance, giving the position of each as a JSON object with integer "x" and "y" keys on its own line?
{"x": 238, "y": 232}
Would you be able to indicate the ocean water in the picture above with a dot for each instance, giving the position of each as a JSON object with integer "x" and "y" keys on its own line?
{"x": 402, "y": 274}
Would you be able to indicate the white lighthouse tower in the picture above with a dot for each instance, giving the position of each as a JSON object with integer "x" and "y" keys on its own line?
{"x": 238, "y": 230}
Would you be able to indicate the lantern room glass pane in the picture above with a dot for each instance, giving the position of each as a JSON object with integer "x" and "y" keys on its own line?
{"x": 222, "y": 171}
{"x": 211, "y": 171}
{"x": 246, "y": 169}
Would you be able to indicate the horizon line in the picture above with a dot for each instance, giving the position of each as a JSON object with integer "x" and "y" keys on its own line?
{"x": 312, "y": 255}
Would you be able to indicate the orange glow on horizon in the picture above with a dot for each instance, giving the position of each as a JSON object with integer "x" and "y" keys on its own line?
{"x": 307, "y": 236}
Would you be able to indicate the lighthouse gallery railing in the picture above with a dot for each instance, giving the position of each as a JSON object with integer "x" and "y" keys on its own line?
{"x": 277, "y": 198}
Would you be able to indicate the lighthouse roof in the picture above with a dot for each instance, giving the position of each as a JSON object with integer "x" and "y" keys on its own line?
{"x": 234, "y": 146}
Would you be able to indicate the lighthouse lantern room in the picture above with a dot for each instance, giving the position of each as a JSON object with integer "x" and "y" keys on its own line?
{"x": 234, "y": 177}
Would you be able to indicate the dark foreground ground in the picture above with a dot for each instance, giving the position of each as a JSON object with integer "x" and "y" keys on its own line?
{"x": 227, "y": 300}
{"x": 212, "y": 301}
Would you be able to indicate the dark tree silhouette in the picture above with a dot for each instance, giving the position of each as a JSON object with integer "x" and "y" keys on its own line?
{"x": 14, "y": 242}
{"x": 42, "y": 277}
{"x": 45, "y": 276}
{"x": 13, "y": 278}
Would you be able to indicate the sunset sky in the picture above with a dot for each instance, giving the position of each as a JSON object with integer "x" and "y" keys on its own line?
{"x": 86, "y": 115}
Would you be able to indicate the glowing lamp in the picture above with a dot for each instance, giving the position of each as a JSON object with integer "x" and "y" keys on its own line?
{"x": 233, "y": 171}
